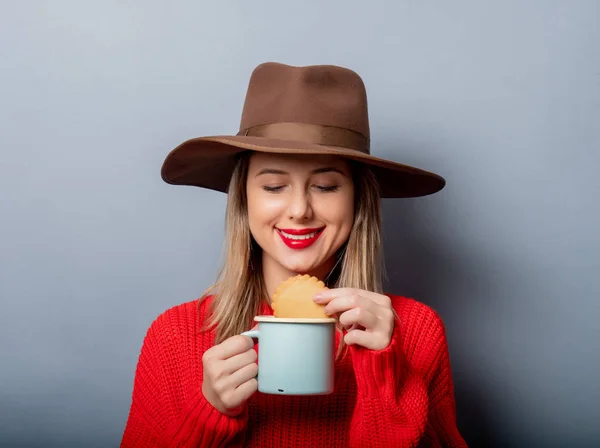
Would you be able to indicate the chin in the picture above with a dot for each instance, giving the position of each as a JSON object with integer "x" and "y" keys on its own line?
{"x": 300, "y": 266}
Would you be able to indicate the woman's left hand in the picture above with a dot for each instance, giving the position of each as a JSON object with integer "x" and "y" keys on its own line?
{"x": 368, "y": 315}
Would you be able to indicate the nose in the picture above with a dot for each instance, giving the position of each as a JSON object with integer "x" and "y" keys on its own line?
{"x": 300, "y": 208}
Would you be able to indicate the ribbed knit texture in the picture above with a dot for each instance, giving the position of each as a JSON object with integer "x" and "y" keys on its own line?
{"x": 401, "y": 396}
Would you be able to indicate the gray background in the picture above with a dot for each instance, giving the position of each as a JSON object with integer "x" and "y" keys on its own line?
{"x": 502, "y": 98}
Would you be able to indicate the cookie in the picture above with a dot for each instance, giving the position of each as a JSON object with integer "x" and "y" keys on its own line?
{"x": 294, "y": 298}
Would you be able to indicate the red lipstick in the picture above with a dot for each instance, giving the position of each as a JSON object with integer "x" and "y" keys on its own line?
{"x": 299, "y": 238}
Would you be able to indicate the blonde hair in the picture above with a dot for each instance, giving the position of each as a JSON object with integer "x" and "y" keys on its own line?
{"x": 239, "y": 291}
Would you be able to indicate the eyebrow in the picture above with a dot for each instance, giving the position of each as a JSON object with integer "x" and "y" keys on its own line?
{"x": 326, "y": 169}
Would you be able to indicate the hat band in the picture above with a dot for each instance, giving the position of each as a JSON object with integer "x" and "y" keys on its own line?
{"x": 311, "y": 133}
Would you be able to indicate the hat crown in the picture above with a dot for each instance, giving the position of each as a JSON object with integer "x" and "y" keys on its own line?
{"x": 325, "y": 95}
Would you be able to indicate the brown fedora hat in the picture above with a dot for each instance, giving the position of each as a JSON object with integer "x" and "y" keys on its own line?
{"x": 320, "y": 109}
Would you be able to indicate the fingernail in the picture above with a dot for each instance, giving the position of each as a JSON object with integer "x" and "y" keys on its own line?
{"x": 318, "y": 298}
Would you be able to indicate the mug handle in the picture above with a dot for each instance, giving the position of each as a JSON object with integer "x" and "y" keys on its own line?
{"x": 254, "y": 334}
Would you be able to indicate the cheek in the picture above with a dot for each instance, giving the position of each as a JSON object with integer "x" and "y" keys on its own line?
{"x": 340, "y": 214}
{"x": 346, "y": 219}
{"x": 263, "y": 210}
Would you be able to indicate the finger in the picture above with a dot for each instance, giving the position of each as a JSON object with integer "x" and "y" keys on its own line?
{"x": 236, "y": 362}
{"x": 379, "y": 299}
{"x": 242, "y": 375}
{"x": 372, "y": 341}
{"x": 233, "y": 346}
{"x": 245, "y": 390}
{"x": 345, "y": 303}
{"x": 360, "y": 316}
{"x": 234, "y": 398}
{"x": 326, "y": 295}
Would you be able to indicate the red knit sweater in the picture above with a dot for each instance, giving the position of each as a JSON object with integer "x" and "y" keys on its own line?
{"x": 401, "y": 396}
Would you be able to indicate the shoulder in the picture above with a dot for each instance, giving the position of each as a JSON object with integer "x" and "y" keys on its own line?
{"x": 414, "y": 310}
{"x": 180, "y": 321}
{"x": 176, "y": 339}
{"x": 176, "y": 316}
{"x": 170, "y": 362}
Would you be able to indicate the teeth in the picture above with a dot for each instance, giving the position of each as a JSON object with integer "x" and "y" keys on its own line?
{"x": 298, "y": 237}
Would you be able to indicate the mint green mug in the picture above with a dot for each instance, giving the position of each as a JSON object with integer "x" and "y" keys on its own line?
{"x": 295, "y": 356}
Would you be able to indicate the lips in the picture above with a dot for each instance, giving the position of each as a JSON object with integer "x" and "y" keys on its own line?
{"x": 300, "y": 238}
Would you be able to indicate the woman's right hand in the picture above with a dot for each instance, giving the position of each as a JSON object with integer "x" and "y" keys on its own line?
{"x": 230, "y": 371}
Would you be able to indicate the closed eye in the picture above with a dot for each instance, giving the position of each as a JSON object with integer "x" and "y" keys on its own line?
{"x": 279, "y": 188}
{"x": 327, "y": 189}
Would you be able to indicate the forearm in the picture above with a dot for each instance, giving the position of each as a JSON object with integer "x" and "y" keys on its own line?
{"x": 168, "y": 407}
{"x": 442, "y": 430}
{"x": 392, "y": 400}
{"x": 199, "y": 424}
{"x": 204, "y": 426}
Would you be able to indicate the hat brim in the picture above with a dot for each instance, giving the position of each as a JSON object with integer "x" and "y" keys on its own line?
{"x": 208, "y": 162}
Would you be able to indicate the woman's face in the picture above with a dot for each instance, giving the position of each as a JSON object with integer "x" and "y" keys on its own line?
{"x": 300, "y": 209}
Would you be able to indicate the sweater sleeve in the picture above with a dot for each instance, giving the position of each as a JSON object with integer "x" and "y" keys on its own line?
{"x": 441, "y": 431}
{"x": 168, "y": 408}
{"x": 396, "y": 406}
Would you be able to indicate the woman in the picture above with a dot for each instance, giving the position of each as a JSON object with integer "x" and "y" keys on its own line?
{"x": 303, "y": 197}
